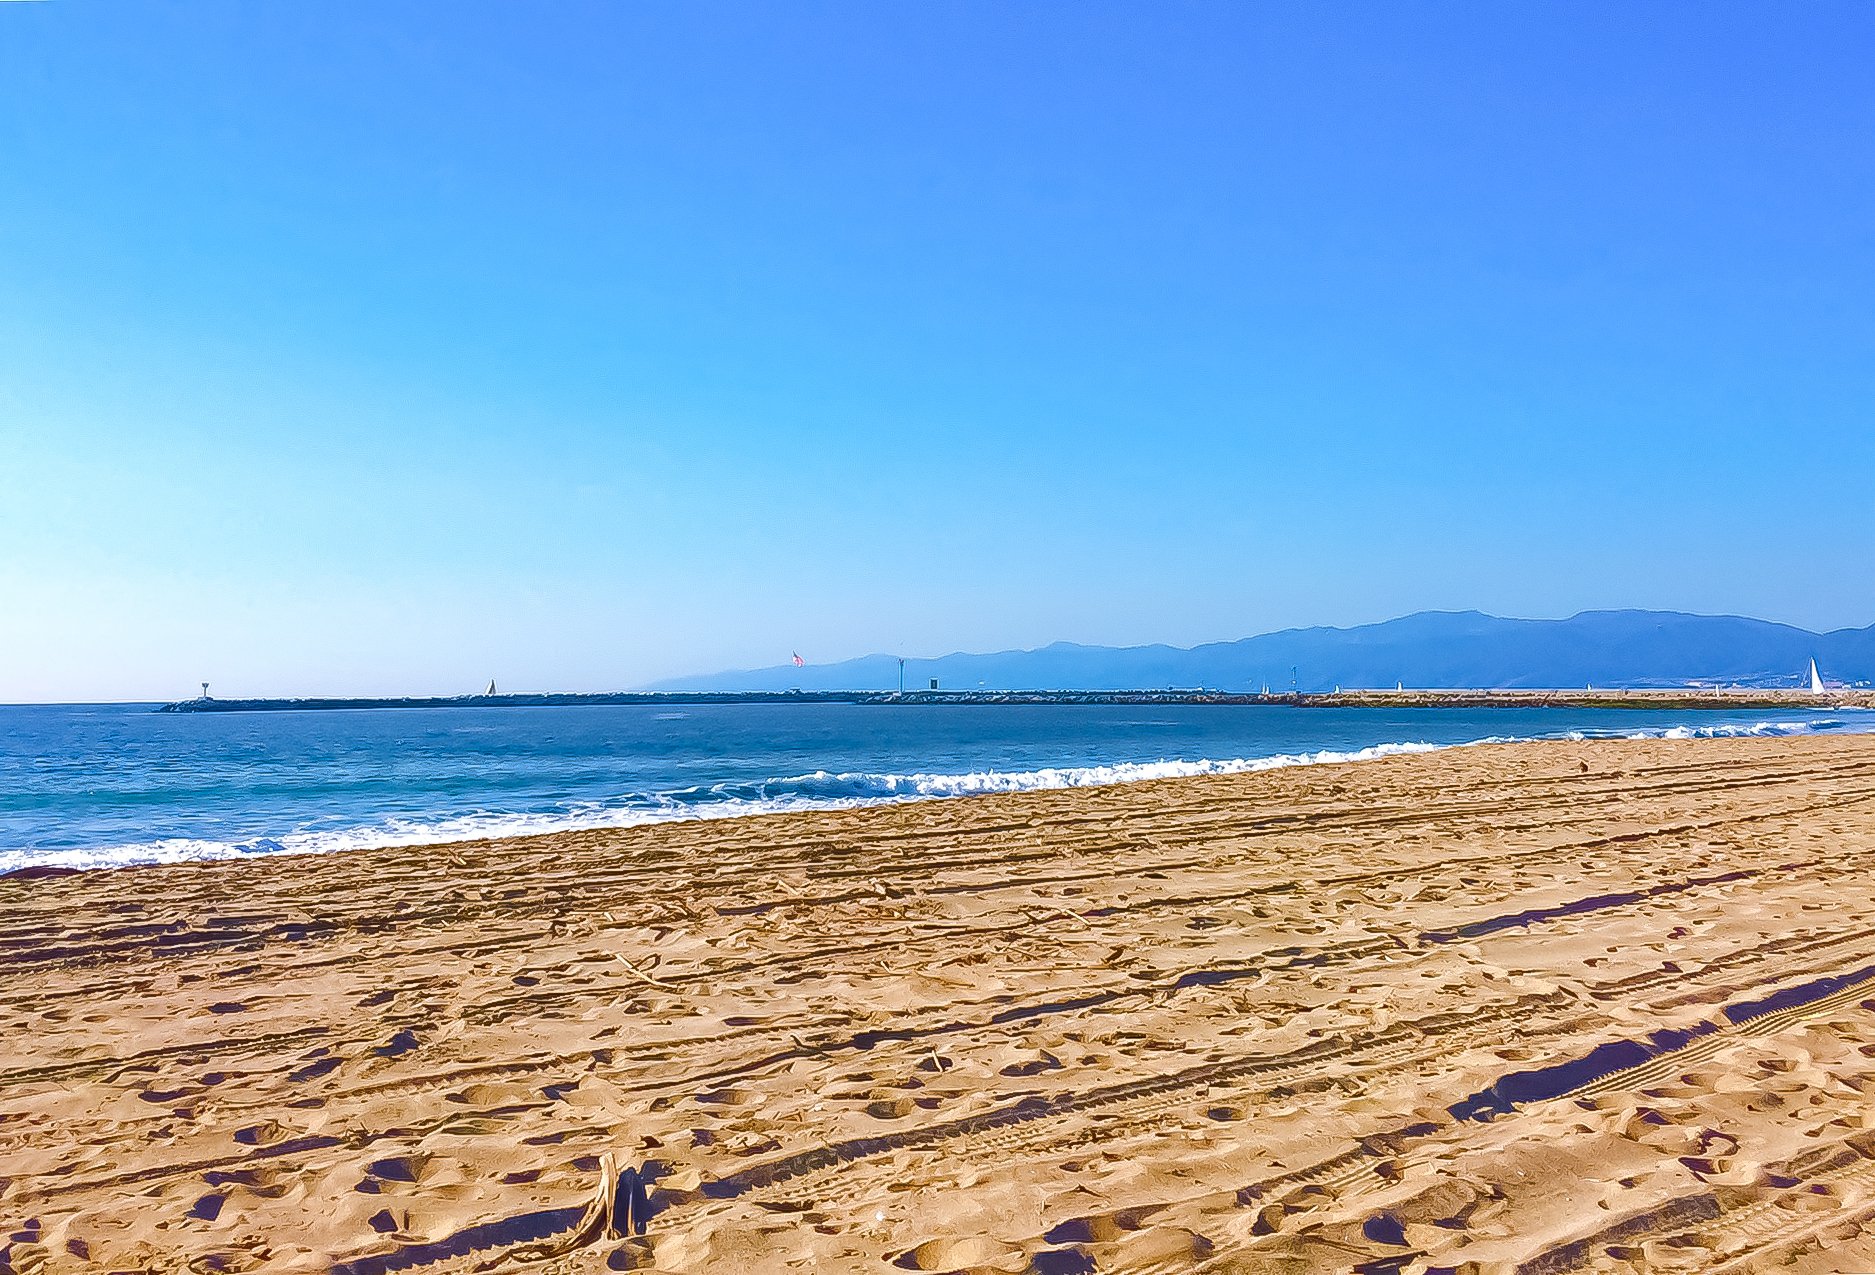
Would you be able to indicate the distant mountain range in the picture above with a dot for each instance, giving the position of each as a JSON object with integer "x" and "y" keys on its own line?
{"x": 1623, "y": 649}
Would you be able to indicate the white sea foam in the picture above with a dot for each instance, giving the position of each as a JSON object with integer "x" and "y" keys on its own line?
{"x": 861, "y": 787}
{"x": 1725, "y": 730}
{"x": 816, "y": 790}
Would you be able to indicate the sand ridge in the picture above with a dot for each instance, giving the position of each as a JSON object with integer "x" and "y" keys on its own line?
{"x": 1512, "y": 1008}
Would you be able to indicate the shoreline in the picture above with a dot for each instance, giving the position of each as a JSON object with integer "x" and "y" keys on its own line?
{"x": 1215, "y": 1022}
{"x": 1128, "y": 774}
{"x": 925, "y": 787}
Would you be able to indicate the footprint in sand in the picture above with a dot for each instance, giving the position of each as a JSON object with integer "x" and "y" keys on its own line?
{"x": 264, "y": 1134}
{"x": 970, "y": 1252}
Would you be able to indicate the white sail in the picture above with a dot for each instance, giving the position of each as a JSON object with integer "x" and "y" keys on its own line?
{"x": 1816, "y": 683}
{"x": 491, "y": 687}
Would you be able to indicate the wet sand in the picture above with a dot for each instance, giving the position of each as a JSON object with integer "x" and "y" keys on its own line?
{"x": 1536, "y": 1008}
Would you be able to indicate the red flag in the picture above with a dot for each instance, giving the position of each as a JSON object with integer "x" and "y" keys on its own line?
{"x": 798, "y": 661}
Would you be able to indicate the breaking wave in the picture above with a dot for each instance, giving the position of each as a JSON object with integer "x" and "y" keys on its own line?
{"x": 1725, "y": 730}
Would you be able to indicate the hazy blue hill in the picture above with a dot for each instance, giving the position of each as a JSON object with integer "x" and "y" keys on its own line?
{"x": 1427, "y": 649}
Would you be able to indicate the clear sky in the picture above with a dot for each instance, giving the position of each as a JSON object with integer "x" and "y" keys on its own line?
{"x": 394, "y": 347}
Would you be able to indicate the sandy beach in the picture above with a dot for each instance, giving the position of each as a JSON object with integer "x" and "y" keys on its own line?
{"x": 1531, "y": 1008}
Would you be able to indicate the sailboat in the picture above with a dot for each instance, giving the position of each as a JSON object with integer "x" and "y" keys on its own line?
{"x": 1816, "y": 683}
{"x": 491, "y": 687}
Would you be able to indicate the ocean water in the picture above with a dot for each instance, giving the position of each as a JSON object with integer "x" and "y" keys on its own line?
{"x": 101, "y": 785}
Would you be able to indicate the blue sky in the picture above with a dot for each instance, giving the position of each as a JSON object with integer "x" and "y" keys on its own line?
{"x": 391, "y": 348}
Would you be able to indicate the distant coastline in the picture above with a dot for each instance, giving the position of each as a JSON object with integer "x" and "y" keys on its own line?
{"x": 1714, "y": 698}
{"x": 1657, "y": 650}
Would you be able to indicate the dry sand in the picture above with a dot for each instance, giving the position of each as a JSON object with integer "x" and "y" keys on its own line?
{"x": 1605, "y": 1006}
